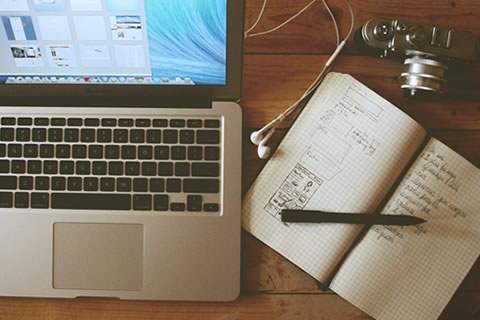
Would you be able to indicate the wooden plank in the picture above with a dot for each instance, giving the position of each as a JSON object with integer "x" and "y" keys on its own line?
{"x": 274, "y": 82}
{"x": 313, "y": 32}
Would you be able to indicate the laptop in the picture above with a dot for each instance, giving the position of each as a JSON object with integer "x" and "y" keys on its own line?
{"x": 120, "y": 148}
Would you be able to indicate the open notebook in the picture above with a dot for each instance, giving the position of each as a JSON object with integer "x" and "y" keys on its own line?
{"x": 352, "y": 151}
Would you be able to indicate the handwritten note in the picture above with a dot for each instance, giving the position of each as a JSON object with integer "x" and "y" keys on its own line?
{"x": 428, "y": 260}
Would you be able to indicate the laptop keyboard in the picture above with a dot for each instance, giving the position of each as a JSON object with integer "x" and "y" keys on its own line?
{"x": 110, "y": 164}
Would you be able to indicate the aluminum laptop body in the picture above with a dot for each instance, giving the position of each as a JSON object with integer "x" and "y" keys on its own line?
{"x": 91, "y": 81}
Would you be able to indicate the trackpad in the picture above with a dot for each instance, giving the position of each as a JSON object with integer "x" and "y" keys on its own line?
{"x": 98, "y": 256}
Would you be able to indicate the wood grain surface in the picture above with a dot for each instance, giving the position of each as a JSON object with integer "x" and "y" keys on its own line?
{"x": 278, "y": 68}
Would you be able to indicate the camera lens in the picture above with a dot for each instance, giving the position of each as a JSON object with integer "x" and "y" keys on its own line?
{"x": 423, "y": 74}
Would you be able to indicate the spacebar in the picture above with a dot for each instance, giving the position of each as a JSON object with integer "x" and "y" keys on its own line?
{"x": 87, "y": 201}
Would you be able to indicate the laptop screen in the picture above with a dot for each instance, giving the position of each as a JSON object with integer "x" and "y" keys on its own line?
{"x": 134, "y": 42}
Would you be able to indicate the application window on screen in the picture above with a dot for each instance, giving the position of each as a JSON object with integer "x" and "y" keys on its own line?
{"x": 113, "y": 41}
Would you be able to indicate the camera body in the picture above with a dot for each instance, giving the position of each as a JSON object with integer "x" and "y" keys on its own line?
{"x": 428, "y": 51}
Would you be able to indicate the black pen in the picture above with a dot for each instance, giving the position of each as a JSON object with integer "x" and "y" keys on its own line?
{"x": 315, "y": 216}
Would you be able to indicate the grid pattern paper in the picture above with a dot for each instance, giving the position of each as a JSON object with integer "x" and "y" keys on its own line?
{"x": 343, "y": 154}
{"x": 412, "y": 272}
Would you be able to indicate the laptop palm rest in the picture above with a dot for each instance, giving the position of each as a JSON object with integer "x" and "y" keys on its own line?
{"x": 98, "y": 256}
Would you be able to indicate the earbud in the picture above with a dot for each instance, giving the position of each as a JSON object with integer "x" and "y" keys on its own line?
{"x": 256, "y": 137}
{"x": 263, "y": 150}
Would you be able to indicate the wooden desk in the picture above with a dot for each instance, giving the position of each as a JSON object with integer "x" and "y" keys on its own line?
{"x": 278, "y": 68}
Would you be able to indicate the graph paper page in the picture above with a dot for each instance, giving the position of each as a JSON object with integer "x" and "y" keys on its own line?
{"x": 343, "y": 153}
{"x": 412, "y": 272}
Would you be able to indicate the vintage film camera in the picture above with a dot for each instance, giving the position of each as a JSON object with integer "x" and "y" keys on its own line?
{"x": 428, "y": 51}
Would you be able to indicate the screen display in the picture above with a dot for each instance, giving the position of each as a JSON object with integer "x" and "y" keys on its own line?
{"x": 141, "y": 42}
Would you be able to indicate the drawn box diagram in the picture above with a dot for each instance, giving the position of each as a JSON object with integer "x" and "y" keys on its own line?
{"x": 294, "y": 192}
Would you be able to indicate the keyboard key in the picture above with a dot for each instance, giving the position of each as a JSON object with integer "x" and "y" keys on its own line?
{"x": 40, "y": 201}
{"x": 92, "y": 122}
{"x": 99, "y": 168}
{"x": 83, "y": 168}
{"x": 212, "y": 153}
{"x": 67, "y": 167}
{"x": 107, "y": 184}
{"x": 8, "y": 121}
{"x": 19, "y": 166}
{"x": 72, "y": 135}
{"x": 132, "y": 168}
{"x": 211, "y": 207}
{"x": 154, "y": 136}
{"x": 39, "y": 135}
{"x": 55, "y": 135}
{"x": 187, "y": 136}
{"x": 112, "y": 152}
{"x": 212, "y": 123}
{"x": 23, "y": 134}
{"x": 194, "y": 123}
{"x": 170, "y": 136}
{"x": 160, "y": 123}
{"x": 162, "y": 153}
{"x": 142, "y": 202}
{"x": 195, "y": 153}
{"x": 63, "y": 151}
{"x": 34, "y": 167}
{"x": 8, "y": 183}
{"x": 182, "y": 169}
{"x": 140, "y": 185}
{"x": 208, "y": 137}
{"x": 178, "y": 207}
{"x": 120, "y": 136}
{"x": 25, "y": 121}
{"x": 74, "y": 184}
{"x": 115, "y": 168}
{"x": 59, "y": 183}
{"x": 42, "y": 122}
{"x": 194, "y": 203}
{"x": 22, "y": 200}
{"x": 15, "y": 151}
{"x": 3, "y": 150}
{"x": 124, "y": 184}
{"x": 87, "y": 135}
{"x": 30, "y": 151}
{"x": 137, "y": 136}
{"x": 179, "y": 153}
{"x": 58, "y": 122}
{"x": 145, "y": 152}
{"x": 75, "y": 122}
{"x": 4, "y": 166}
{"x": 50, "y": 167}
{"x": 174, "y": 185}
{"x": 201, "y": 185}
{"x": 47, "y": 151}
{"x": 109, "y": 122}
{"x": 104, "y": 135}
{"x": 160, "y": 202}
{"x": 157, "y": 185}
{"x": 79, "y": 152}
{"x": 7, "y": 134}
{"x": 90, "y": 184}
{"x": 149, "y": 169}
{"x": 125, "y": 122}
{"x": 42, "y": 183}
{"x": 129, "y": 152}
{"x": 165, "y": 169}
{"x": 26, "y": 183}
{"x": 177, "y": 123}
{"x": 85, "y": 201}
{"x": 205, "y": 169}
{"x": 95, "y": 152}
{"x": 6, "y": 199}
{"x": 143, "y": 123}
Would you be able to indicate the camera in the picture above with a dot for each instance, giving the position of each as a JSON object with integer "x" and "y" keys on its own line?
{"x": 427, "y": 51}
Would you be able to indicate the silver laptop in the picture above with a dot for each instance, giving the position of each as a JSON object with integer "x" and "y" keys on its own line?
{"x": 120, "y": 148}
